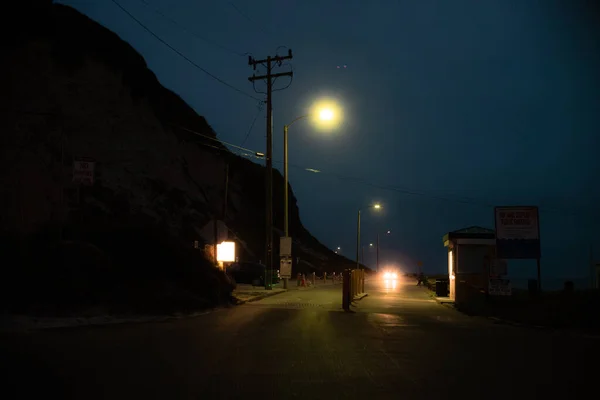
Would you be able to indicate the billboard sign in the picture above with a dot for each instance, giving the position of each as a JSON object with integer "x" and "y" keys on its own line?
{"x": 517, "y": 232}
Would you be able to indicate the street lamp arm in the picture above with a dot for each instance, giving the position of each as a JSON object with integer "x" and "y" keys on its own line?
{"x": 298, "y": 119}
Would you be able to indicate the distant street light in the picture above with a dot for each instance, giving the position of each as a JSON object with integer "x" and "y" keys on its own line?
{"x": 388, "y": 232}
{"x": 375, "y": 206}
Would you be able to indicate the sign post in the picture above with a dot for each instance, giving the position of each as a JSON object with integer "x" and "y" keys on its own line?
{"x": 285, "y": 264}
{"x": 518, "y": 234}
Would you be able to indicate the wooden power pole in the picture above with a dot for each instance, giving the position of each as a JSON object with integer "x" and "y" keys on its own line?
{"x": 269, "y": 77}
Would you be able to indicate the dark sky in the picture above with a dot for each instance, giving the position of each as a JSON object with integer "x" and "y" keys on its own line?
{"x": 467, "y": 103}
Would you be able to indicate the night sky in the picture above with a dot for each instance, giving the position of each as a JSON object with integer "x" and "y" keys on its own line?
{"x": 450, "y": 107}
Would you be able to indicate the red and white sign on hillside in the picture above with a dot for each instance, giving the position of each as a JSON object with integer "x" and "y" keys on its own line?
{"x": 83, "y": 172}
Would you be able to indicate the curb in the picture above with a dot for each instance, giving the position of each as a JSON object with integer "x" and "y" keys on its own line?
{"x": 78, "y": 322}
{"x": 260, "y": 297}
{"x": 518, "y": 324}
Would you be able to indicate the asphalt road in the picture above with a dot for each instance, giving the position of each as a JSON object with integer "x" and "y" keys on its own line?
{"x": 397, "y": 344}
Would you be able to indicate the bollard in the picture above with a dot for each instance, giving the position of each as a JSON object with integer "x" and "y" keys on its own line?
{"x": 346, "y": 290}
{"x": 314, "y": 278}
{"x": 324, "y": 277}
{"x": 299, "y": 279}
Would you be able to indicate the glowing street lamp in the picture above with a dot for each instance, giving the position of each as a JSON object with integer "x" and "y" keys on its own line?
{"x": 325, "y": 114}
{"x": 388, "y": 232}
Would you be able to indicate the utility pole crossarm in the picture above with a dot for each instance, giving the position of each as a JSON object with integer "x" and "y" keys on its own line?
{"x": 262, "y": 77}
{"x": 252, "y": 61}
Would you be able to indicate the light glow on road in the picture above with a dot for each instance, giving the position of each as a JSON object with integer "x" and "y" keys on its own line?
{"x": 391, "y": 284}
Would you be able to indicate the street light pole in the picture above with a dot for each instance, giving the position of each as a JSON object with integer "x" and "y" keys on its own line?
{"x": 358, "y": 241}
{"x": 285, "y": 183}
{"x": 286, "y": 212}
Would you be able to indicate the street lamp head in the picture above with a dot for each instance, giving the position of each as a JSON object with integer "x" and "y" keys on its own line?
{"x": 389, "y": 232}
{"x": 377, "y": 206}
{"x": 370, "y": 244}
{"x": 339, "y": 248}
{"x": 326, "y": 114}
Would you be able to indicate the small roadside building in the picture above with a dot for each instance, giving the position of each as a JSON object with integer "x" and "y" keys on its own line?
{"x": 470, "y": 254}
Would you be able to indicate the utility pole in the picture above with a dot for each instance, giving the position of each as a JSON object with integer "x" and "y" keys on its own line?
{"x": 269, "y": 77}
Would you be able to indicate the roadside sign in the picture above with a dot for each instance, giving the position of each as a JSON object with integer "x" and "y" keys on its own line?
{"x": 285, "y": 246}
{"x": 285, "y": 268}
{"x": 517, "y": 232}
{"x": 499, "y": 287}
{"x": 83, "y": 172}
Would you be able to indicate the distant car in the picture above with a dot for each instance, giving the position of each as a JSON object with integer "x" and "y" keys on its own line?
{"x": 250, "y": 273}
{"x": 391, "y": 274}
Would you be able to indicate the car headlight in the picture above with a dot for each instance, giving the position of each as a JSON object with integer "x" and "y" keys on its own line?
{"x": 394, "y": 276}
{"x": 386, "y": 275}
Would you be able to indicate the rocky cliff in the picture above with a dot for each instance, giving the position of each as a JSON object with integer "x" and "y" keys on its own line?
{"x": 74, "y": 90}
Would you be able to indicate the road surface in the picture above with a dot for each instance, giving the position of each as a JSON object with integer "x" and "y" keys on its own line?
{"x": 299, "y": 345}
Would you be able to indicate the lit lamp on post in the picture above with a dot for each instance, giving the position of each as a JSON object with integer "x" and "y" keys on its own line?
{"x": 375, "y": 206}
{"x": 388, "y": 232}
{"x": 325, "y": 114}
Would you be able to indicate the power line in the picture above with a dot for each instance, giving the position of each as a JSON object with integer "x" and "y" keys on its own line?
{"x": 181, "y": 54}
{"x": 253, "y": 154}
{"x": 196, "y": 35}
{"x": 260, "y": 108}
{"x": 213, "y": 139}
{"x": 246, "y": 16}
{"x": 291, "y": 77}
